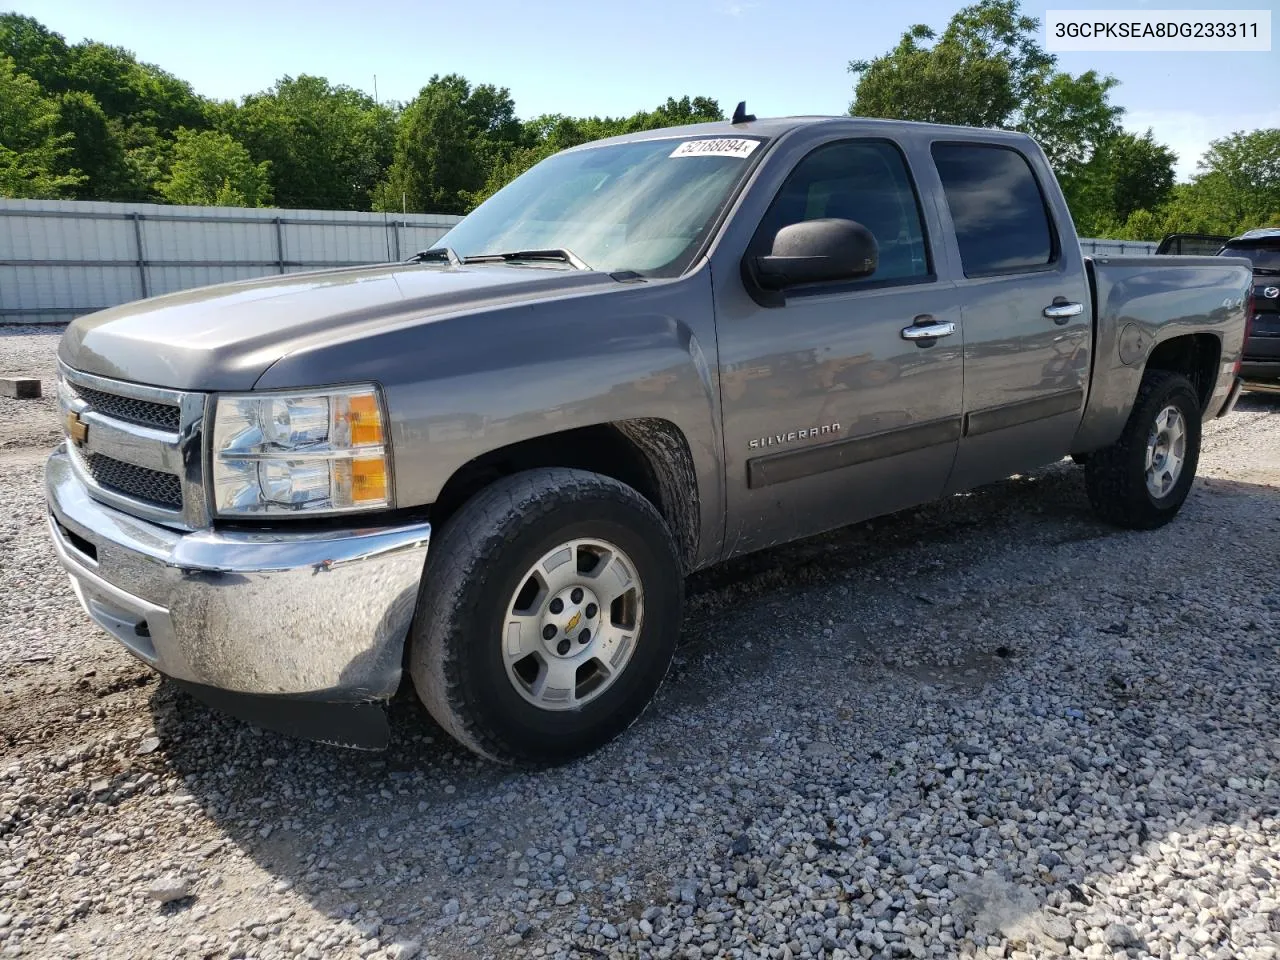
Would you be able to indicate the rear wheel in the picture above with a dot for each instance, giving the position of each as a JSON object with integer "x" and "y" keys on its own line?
{"x": 549, "y": 615}
{"x": 1142, "y": 480}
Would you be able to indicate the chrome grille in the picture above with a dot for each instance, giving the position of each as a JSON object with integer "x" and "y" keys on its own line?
{"x": 162, "y": 489}
{"x": 137, "y": 448}
{"x": 145, "y": 413}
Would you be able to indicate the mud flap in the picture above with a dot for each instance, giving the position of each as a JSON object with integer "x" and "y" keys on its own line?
{"x": 1230, "y": 403}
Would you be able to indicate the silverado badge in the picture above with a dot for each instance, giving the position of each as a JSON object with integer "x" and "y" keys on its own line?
{"x": 791, "y": 436}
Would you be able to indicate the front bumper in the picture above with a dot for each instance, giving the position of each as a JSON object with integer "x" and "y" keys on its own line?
{"x": 241, "y": 616}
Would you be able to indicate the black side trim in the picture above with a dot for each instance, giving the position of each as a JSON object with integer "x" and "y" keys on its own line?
{"x": 794, "y": 464}
{"x": 1023, "y": 411}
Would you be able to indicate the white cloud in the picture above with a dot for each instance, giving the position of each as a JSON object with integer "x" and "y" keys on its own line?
{"x": 1188, "y": 133}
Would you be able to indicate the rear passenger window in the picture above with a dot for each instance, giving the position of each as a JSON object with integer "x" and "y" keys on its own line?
{"x": 996, "y": 205}
{"x": 862, "y": 180}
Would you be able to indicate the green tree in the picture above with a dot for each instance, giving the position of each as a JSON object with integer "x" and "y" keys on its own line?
{"x": 1139, "y": 173}
{"x": 1128, "y": 173}
{"x": 1071, "y": 117}
{"x": 211, "y": 169}
{"x": 447, "y": 141}
{"x": 109, "y": 102}
{"x": 135, "y": 93}
{"x": 987, "y": 69}
{"x": 36, "y": 51}
{"x": 148, "y": 156}
{"x": 328, "y": 145}
{"x": 125, "y": 89}
{"x": 1240, "y": 178}
{"x": 675, "y": 113}
{"x": 95, "y": 150}
{"x": 33, "y": 153}
{"x": 1143, "y": 225}
{"x": 1237, "y": 188}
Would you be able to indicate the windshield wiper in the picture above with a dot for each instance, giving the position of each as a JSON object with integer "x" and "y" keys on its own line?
{"x": 559, "y": 254}
{"x": 436, "y": 255}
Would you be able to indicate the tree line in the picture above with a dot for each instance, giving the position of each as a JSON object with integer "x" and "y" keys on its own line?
{"x": 89, "y": 121}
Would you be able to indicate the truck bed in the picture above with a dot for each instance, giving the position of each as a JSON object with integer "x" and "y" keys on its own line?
{"x": 1140, "y": 303}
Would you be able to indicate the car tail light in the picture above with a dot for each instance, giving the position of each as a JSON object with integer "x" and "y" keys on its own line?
{"x": 1248, "y": 329}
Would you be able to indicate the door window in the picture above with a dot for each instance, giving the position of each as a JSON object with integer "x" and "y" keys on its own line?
{"x": 862, "y": 180}
{"x": 1002, "y": 225}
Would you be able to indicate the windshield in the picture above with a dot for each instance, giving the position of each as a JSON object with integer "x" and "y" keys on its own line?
{"x": 1265, "y": 259}
{"x": 645, "y": 205}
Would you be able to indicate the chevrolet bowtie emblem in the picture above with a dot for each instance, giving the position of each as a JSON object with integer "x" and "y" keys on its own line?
{"x": 77, "y": 429}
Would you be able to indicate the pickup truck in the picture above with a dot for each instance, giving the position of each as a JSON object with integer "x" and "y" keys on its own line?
{"x": 1190, "y": 244}
{"x": 489, "y": 469}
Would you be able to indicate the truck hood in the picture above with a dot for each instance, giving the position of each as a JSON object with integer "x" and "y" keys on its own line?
{"x": 225, "y": 337}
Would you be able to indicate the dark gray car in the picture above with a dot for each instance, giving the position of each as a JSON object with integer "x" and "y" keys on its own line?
{"x": 491, "y": 468}
{"x": 1261, "y": 366}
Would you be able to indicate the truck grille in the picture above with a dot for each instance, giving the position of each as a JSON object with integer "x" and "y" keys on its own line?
{"x": 145, "y": 413}
{"x": 136, "y": 447}
{"x": 162, "y": 489}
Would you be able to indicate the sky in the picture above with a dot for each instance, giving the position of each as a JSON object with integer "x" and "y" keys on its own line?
{"x": 609, "y": 58}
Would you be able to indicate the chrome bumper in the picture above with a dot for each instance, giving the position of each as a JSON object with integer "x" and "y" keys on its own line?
{"x": 320, "y": 616}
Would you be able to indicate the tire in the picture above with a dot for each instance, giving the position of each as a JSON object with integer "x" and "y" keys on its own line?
{"x": 1116, "y": 476}
{"x": 478, "y": 572}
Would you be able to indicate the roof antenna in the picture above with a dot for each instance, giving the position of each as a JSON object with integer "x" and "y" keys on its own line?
{"x": 740, "y": 115}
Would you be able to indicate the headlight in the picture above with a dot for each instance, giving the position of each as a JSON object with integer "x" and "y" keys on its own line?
{"x": 322, "y": 451}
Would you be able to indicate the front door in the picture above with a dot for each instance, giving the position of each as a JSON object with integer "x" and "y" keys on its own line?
{"x": 831, "y": 414}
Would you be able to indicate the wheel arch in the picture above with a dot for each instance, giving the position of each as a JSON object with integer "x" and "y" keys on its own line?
{"x": 649, "y": 454}
{"x": 1117, "y": 383}
{"x": 1194, "y": 355}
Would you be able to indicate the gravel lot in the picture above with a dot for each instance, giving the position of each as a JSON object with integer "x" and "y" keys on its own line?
{"x": 988, "y": 727}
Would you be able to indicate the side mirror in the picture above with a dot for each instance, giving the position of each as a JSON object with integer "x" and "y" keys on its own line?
{"x": 817, "y": 251}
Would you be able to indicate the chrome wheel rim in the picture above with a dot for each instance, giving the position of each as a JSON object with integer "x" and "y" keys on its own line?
{"x": 572, "y": 623}
{"x": 1166, "y": 451}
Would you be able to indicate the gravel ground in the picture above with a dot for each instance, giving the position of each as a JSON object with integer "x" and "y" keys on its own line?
{"x": 988, "y": 727}
{"x": 29, "y": 352}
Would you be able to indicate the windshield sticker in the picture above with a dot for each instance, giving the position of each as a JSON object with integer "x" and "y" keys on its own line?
{"x": 723, "y": 147}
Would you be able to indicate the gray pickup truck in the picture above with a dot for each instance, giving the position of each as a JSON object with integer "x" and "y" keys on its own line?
{"x": 491, "y": 468}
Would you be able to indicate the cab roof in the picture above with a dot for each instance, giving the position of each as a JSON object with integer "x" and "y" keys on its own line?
{"x": 771, "y": 127}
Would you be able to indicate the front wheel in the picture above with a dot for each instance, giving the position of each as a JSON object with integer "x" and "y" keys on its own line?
{"x": 548, "y": 617}
{"x": 1142, "y": 479}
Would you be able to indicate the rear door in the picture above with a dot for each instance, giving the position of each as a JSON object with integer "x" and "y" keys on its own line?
{"x": 1025, "y": 308}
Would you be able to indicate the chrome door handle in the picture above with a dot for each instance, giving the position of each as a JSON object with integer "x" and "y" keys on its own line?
{"x": 928, "y": 331}
{"x": 1060, "y": 311}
